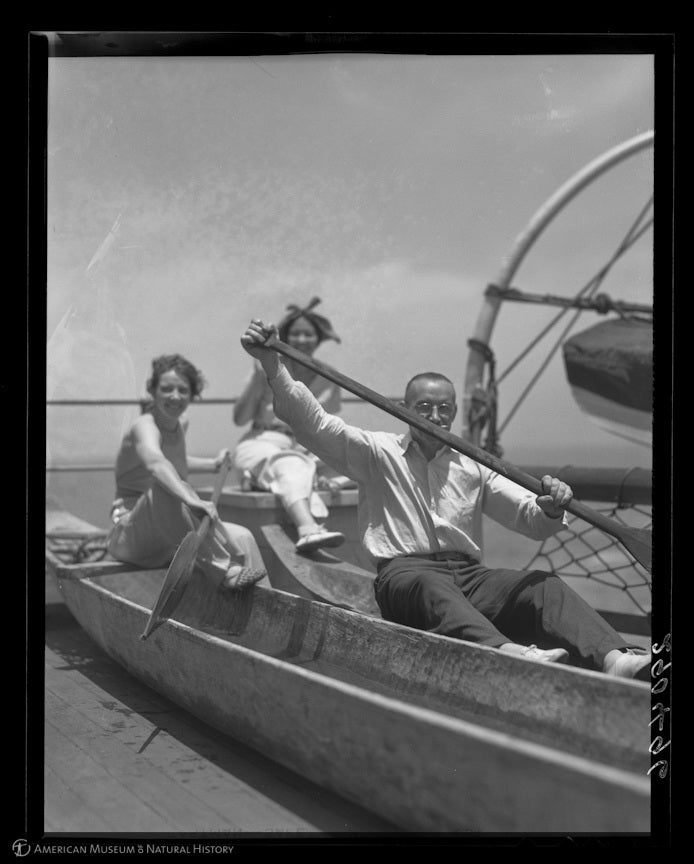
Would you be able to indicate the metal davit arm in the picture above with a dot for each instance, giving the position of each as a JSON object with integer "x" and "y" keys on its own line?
{"x": 485, "y": 323}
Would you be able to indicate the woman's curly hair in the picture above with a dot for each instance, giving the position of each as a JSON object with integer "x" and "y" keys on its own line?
{"x": 166, "y": 362}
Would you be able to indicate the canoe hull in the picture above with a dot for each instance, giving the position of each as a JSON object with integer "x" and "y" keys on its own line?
{"x": 419, "y": 768}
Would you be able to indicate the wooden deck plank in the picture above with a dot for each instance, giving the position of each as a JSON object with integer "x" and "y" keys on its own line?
{"x": 66, "y": 811}
{"x": 213, "y": 788}
{"x": 257, "y": 794}
{"x": 82, "y": 768}
{"x": 120, "y": 778}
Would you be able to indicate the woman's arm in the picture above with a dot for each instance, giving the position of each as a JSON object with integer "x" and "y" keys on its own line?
{"x": 146, "y": 438}
{"x": 201, "y": 464}
{"x": 246, "y": 407}
{"x": 207, "y": 464}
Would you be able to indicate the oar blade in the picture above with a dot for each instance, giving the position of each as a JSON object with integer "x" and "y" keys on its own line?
{"x": 181, "y": 568}
{"x": 175, "y": 583}
{"x": 639, "y": 543}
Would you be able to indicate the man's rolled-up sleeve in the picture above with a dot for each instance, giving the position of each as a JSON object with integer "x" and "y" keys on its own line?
{"x": 516, "y": 508}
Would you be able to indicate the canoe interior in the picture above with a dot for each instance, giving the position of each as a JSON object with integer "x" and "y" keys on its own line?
{"x": 319, "y": 575}
{"x": 578, "y": 712}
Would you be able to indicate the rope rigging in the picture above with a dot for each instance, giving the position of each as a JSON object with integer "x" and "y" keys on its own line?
{"x": 484, "y": 401}
{"x": 581, "y": 552}
{"x": 575, "y": 551}
{"x": 578, "y": 551}
{"x": 590, "y": 289}
{"x": 600, "y": 303}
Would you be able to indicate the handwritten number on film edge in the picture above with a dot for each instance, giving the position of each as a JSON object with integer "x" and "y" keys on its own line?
{"x": 657, "y": 745}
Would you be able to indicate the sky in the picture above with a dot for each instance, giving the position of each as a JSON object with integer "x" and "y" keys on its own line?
{"x": 391, "y": 186}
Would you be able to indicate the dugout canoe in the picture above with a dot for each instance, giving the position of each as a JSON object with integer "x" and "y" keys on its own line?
{"x": 432, "y": 733}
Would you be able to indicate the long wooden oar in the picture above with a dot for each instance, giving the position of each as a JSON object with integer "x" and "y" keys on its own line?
{"x": 636, "y": 540}
{"x": 180, "y": 570}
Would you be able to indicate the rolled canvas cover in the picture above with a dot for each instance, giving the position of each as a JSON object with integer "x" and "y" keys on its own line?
{"x": 610, "y": 370}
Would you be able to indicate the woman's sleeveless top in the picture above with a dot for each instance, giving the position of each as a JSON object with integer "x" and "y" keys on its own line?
{"x": 132, "y": 477}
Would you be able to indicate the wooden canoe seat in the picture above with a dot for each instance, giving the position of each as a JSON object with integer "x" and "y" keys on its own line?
{"x": 318, "y": 575}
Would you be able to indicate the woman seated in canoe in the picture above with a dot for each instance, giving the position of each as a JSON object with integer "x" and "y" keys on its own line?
{"x": 268, "y": 455}
{"x": 155, "y": 506}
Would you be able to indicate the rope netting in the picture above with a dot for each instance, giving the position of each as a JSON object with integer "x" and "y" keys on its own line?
{"x": 78, "y": 549}
{"x": 583, "y": 552}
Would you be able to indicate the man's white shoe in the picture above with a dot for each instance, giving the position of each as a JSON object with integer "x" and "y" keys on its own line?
{"x": 532, "y": 652}
{"x": 552, "y": 655}
{"x": 319, "y": 540}
{"x": 632, "y": 663}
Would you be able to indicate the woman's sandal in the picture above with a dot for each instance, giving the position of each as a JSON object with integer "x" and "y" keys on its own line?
{"x": 243, "y": 578}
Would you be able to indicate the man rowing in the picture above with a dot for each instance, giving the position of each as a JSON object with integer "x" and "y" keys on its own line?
{"x": 420, "y": 519}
